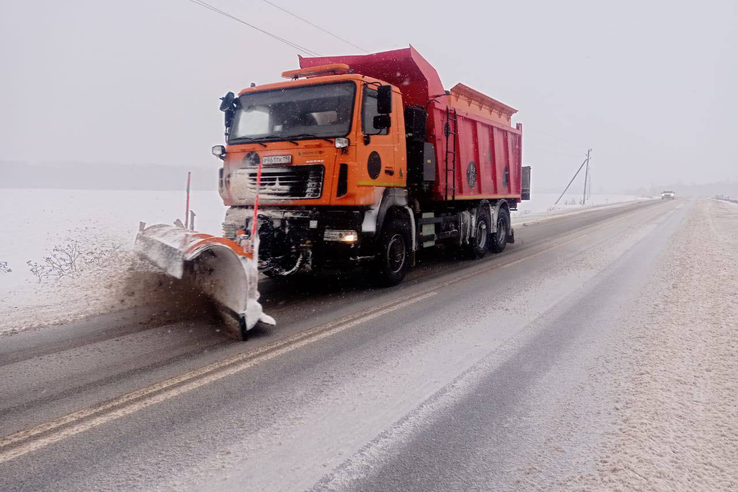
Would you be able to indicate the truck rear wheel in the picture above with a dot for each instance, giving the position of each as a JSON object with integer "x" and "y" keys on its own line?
{"x": 479, "y": 244}
{"x": 393, "y": 259}
{"x": 499, "y": 239}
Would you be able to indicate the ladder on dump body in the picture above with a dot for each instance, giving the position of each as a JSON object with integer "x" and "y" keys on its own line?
{"x": 447, "y": 130}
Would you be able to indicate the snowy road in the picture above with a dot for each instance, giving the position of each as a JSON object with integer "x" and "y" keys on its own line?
{"x": 599, "y": 352}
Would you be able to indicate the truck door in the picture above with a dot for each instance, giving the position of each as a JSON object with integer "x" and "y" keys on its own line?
{"x": 375, "y": 154}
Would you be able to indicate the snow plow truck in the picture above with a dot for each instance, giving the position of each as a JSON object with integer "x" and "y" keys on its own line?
{"x": 358, "y": 160}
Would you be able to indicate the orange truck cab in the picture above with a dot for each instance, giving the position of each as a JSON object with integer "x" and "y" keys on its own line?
{"x": 366, "y": 160}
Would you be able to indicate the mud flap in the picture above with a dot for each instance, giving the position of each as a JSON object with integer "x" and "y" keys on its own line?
{"x": 225, "y": 270}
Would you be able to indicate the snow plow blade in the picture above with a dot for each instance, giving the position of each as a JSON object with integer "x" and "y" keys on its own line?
{"x": 226, "y": 271}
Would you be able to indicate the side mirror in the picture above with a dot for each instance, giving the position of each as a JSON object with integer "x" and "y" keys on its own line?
{"x": 228, "y": 117}
{"x": 384, "y": 99}
{"x": 226, "y": 102}
{"x": 382, "y": 122}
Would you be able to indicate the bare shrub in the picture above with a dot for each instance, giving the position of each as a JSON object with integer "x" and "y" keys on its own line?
{"x": 101, "y": 257}
{"x": 4, "y": 268}
{"x": 70, "y": 259}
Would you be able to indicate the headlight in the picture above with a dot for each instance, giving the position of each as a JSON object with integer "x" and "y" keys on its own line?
{"x": 340, "y": 236}
{"x": 342, "y": 143}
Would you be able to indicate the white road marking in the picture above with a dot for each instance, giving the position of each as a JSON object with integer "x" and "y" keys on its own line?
{"x": 542, "y": 251}
{"x": 180, "y": 384}
{"x": 563, "y": 243}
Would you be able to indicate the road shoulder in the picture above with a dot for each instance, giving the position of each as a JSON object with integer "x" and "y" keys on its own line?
{"x": 676, "y": 421}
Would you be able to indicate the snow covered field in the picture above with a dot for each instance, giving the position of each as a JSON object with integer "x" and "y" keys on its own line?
{"x": 34, "y": 221}
{"x": 103, "y": 224}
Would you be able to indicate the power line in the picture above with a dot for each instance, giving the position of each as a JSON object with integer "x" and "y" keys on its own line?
{"x": 548, "y": 151}
{"x": 553, "y": 143}
{"x": 226, "y": 14}
{"x": 550, "y": 135}
{"x": 552, "y": 140}
{"x": 278, "y": 38}
{"x": 315, "y": 26}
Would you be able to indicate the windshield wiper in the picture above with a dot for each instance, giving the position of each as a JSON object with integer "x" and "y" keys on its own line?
{"x": 310, "y": 135}
{"x": 237, "y": 140}
{"x": 276, "y": 138}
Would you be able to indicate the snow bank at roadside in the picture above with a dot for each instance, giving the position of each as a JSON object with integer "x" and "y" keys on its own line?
{"x": 543, "y": 206}
{"x": 123, "y": 284}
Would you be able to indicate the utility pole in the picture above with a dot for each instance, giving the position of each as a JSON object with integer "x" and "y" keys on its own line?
{"x": 586, "y": 176}
{"x": 586, "y": 162}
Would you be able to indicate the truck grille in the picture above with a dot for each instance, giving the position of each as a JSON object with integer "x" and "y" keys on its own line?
{"x": 286, "y": 183}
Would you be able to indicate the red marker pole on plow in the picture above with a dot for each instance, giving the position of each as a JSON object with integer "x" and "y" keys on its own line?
{"x": 256, "y": 203}
{"x": 187, "y": 210}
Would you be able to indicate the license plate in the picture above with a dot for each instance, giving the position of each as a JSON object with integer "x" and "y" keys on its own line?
{"x": 277, "y": 159}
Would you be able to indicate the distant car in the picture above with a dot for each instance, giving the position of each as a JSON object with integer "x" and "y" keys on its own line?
{"x": 667, "y": 195}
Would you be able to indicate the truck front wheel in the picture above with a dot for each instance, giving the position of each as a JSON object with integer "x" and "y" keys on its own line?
{"x": 393, "y": 258}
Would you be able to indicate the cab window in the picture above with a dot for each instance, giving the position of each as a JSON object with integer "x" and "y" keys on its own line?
{"x": 368, "y": 112}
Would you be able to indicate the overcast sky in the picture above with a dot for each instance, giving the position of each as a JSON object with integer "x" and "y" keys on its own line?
{"x": 650, "y": 86}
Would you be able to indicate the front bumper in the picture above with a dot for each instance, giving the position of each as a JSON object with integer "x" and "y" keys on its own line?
{"x": 293, "y": 240}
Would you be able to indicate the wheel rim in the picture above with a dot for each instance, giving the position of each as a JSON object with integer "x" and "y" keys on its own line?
{"x": 482, "y": 234}
{"x": 396, "y": 253}
{"x": 501, "y": 231}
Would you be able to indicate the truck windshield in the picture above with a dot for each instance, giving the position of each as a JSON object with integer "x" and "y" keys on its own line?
{"x": 314, "y": 111}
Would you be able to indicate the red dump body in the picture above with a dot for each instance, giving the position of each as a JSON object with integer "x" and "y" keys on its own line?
{"x": 484, "y": 157}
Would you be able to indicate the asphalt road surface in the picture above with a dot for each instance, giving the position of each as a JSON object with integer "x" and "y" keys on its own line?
{"x": 471, "y": 375}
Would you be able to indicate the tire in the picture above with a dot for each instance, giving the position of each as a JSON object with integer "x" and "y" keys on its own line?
{"x": 499, "y": 238}
{"x": 393, "y": 255}
{"x": 479, "y": 244}
{"x": 275, "y": 276}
